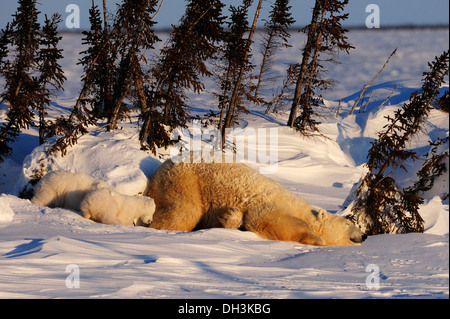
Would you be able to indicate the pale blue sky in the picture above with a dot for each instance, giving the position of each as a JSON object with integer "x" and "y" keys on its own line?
{"x": 392, "y": 12}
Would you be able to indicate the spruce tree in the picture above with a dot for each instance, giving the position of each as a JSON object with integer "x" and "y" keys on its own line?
{"x": 82, "y": 116}
{"x": 433, "y": 167}
{"x": 133, "y": 36}
{"x": 5, "y": 134}
{"x": 276, "y": 35}
{"x": 4, "y": 47}
{"x": 326, "y": 37}
{"x": 20, "y": 87}
{"x": 232, "y": 59}
{"x": 98, "y": 62}
{"x": 112, "y": 70}
{"x": 50, "y": 74}
{"x": 381, "y": 207}
{"x": 443, "y": 102}
{"x": 181, "y": 66}
{"x": 237, "y": 60}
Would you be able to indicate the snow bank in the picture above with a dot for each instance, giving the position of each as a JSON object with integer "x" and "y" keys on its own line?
{"x": 117, "y": 261}
{"x": 6, "y": 213}
{"x": 112, "y": 157}
{"x": 435, "y": 214}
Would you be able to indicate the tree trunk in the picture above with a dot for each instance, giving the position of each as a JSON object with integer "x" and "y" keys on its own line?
{"x": 263, "y": 64}
{"x": 139, "y": 84}
{"x": 234, "y": 96}
{"x": 105, "y": 18}
{"x": 143, "y": 133}
{"x": 304, "y": 66}
{"x": 42, "y": 126}
{"x": 313, "y": 63}
{"x": 124, "y": 87}
{"x": 225, "y": 92}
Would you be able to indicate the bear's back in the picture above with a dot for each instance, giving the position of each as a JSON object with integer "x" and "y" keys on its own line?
{"x": 230, "y": 184}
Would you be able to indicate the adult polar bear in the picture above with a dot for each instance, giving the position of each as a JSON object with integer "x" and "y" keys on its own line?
{"x": 192, "y": 196}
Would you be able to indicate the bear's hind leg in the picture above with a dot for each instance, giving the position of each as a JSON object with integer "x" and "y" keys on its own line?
{"x": 178, "y": 199}
{"x": 274, "y": 224}
{"x": 180, "y": 215}
{"x": 232, "y": 218}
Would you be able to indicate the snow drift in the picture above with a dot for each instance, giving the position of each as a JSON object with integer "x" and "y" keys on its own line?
{"x": 37, "y": 244}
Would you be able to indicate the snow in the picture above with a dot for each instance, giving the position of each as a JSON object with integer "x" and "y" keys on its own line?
{"x": 127, "y": 173}
{"x": 116, "y": 261}
{"x": 6, "y": 213}
{"x": 44, "y": 252}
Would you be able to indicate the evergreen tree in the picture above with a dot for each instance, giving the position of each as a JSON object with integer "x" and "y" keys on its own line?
{"x": 99, "y": 64}
{"x": 82, "y": 116}
{"x": 276, "y": 35}
{"x": 237, "y": 65}
{"x": 433, "y": 167}
{"x": 443, "y": 102}
{"x": 133, "y": 35}
{"x": 233, "y": 58}
{"x": 4, "y": 49}
{"x": 381, "y": 207}
{"x": 51, "y": 76}
{"x": 20, "y": 87}
{"x": 112, "y": 69}
{"x": 326, "y": 36}
{"x": 181, "y": 65}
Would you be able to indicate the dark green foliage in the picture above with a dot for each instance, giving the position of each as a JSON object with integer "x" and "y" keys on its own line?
{"x": 51, "y": 76}
{"x": 443, "y": 102}
{"x": 326, "y": 37}
{"x": 20, "y": 87}
{"x": 4, "y": 50}
{"x": 181, "y": 65}
{"x": 29, "y": 72}
{"x": 133, "y": 35}
{"x": 91, "y": 102}
{"x": 433, "y": 167}
{"x": 381, "y": 207}
{"x": 389, "y": 150}
{"x": 112, "y": 70}
{"x": 276, "y": 35}
{"x": 98, "y": 62}
{"x": 234, "y": 70}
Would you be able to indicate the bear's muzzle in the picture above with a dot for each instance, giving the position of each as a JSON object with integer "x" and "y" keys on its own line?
{"x": 359, "y": 239}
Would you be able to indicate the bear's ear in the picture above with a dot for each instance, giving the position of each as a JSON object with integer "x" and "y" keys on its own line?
{"x": 322, "y": 214}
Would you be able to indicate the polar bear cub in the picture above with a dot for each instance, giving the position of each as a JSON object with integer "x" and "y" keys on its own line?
{"x": 110, "y": 207}
{"x": 64, "y": 189}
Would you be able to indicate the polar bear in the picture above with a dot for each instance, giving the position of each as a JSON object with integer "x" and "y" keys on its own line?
{"x": 110, "y": 207}
{"x": 190, "y": 196}
{"x": 64, "y": 189}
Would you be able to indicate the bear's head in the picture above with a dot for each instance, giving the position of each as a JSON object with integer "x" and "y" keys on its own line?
{"x": 336, "y": 230}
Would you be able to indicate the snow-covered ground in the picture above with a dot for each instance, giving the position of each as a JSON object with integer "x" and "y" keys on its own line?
{"x": 55, "y": 253}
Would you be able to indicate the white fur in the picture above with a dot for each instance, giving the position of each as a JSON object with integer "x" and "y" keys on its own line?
{"x": 203, "y": 195}
{"x": 110, "y": 207}
{"x": 64, "y": 189}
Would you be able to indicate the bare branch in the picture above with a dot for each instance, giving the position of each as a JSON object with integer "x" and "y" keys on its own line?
{"x": 370, "y": 83}
{"x": 157, "y": 11}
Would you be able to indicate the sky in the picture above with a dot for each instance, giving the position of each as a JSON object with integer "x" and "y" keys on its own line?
{"x": 391, "y": 12}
